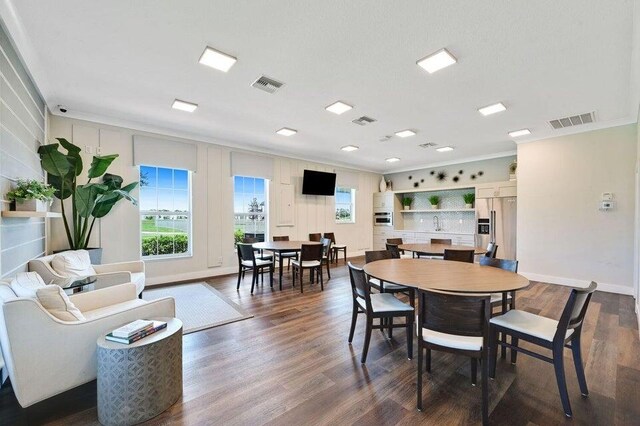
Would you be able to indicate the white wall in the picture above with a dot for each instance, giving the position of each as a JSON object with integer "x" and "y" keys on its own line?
{"x": 212, "y": 198}
{"x": 562, "y": 236}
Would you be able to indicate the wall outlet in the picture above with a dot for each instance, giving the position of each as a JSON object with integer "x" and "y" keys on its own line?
{"x": 98, "y": 150}
{"x": 220, "y": 259}
{"x": 88, "y": 149}
{"x": 606, "y": 205}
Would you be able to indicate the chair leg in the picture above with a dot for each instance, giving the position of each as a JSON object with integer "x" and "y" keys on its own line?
{"x": 301, "y": 273}
{"x": 485, "y": 386}
{"x": 558, "y": 364}
{"x": 328, "y": 270}
{"x": 239, "y": 276}
{"x": 514, "y": 353}
{"x": 390, "y": 327}
{"x": 254, "y": 280}
{"x": 577, "y": 360}
{"x": 428, "y": 361}
{"x": 354, "y": 318}
{"x": 321, "y": 278}
{"x": 419, "y": 384}
{"x": 409, "y": 322}
{"x": 367, "y": 339}
{"x": 271, "y": 276}
{"x": 474, "y": 371}
{"x": 345, "y": 255}
{"x": 493, "y": 352}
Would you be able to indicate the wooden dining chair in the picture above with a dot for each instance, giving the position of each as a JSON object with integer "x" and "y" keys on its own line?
{"x": 285, "y": 254}
{"x": 261, "y": 255}
{"x": 247, "y": 261}
{"x": 337, "y": 248}
{"x": 310, "y": 258}
{"x": 550, "y": 334}
{"x": 456, "y": 323}
{"x": 396, "y": 242}
{"x": 381, "y": 286}
{"x": 316, "y": 236}
{"x": 506, "y": 265}
{"x": 379, "y": 306}
{"x": 326, "y": 254}
{"x": 459, "y": 255}
{"x": 492, "y": 250}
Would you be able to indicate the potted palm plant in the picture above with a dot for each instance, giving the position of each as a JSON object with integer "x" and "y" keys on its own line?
{"x": 434, "y": 200}
{"x": 82, "y": 204}
{"x": 469, "y": 199}
{"x": 31, "y": 195}
{"x": 512, "y": 170}
{"x": 406, "y": 202}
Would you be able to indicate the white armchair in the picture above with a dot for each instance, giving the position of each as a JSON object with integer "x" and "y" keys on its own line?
{"x": 106, "y": 275}
{"x": 45, "y": 356}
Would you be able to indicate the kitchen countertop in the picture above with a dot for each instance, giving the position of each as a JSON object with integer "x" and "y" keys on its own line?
{"x": 422, "y": 231}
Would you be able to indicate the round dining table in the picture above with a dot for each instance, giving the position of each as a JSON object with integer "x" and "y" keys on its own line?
{"x": 437, "y": 249}
{"x": 282, "y": 247}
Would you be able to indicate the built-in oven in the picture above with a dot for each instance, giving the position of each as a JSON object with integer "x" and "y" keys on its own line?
{"x": 383, "y": 219}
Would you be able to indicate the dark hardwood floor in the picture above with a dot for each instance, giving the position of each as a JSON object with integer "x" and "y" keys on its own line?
{"x": 291, "y": 365}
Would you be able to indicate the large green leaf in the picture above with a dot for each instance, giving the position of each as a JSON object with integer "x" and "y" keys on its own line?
{"x": 86, "y": 196}
{"x": 100, "y": 164}
{"x": 112, "y": 181}
{"x": 107, "y": 201}
{"x": 53, "y": 161}
{"x": 56, "y": 182}
{"x": 73, "y": 155}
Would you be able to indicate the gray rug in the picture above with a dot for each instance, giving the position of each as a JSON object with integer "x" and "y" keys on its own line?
{"x": 199, "y": 306}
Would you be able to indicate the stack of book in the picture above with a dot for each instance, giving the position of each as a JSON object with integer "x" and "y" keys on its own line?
{"x": 135, "y": 331}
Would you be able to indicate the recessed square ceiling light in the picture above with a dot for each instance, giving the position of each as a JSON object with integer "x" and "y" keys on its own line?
{"x": 517, "y": 133}
{"x": 444, "y": 149}
{"x": 392, "y": 159}
{"x": 405, "y": 133}
{"x": 184, "y": 106}
{"x": 436, "y": 61}
{"x": 492, "y": 109}
{"x": 286, "y": 132}
{"x": 338, "y": 107}
{"x": 350, "y": 148}
{"x": 216, "y": 59}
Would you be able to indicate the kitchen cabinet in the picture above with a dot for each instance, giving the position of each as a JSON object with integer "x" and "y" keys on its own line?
{"x": 383, "y": 201}
{"x": 496, "y": 190}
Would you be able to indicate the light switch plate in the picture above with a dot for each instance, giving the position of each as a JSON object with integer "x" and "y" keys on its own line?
{"x": 607, "y": 196}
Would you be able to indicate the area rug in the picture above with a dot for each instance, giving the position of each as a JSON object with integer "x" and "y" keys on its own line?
{"x": 199, "y": 306}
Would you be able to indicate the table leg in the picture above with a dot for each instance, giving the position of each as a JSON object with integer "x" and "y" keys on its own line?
{"x": 280, "y": 270}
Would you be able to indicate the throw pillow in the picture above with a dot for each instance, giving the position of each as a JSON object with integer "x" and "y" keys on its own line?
{"x": 73, "y": 263}
{"x": 55, "y": 300}
{"x": 25, "y": 284}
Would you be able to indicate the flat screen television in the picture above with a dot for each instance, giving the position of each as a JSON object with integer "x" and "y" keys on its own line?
{"x": 318, "y": 183}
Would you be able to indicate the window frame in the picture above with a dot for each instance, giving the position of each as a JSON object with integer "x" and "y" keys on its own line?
{"x": 351, "y": 204}
{"x": 265, "y": 211}
{"x": 189, "y": 215}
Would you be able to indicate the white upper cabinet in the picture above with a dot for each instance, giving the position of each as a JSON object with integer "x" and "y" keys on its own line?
{"x": 383, "y": 200}
{"x": 496, "y": 190}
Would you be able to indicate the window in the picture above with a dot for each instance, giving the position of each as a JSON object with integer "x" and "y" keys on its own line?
{"x": 165, "y": 212}
{"x": 345, "y": 205}
{"x": 250, "y": 208}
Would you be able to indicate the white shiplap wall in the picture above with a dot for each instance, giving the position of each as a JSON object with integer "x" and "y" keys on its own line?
{"x": 22, "y": 130}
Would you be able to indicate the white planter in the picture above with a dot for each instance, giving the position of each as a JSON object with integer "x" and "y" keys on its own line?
{"x": 434, "y": 206}
{"x": 468, "y": 206}
{"x": 407, "y": 207}
{"x": 512, "y": 176}
{"x": 32, "y": 206}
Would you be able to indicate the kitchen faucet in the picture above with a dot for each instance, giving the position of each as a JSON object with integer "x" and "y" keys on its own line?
{"x": 436, "y": 223}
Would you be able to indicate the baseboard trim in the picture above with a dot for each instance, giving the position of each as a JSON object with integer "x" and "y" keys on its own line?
{"x": 571, "y": 282}
{"x": 638, "y": 315}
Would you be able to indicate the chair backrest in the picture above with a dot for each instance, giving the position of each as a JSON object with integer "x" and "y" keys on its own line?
{"x": 455, "y": 313}
{"x": 506, "y": 264}
{"x": 396, "y": 241}
{"x": 280, "y": 238}
{"x": 360, "y": 285}
{"x": 330, "y": 236}
{"x": 311, "y": 252}
{"x": 395, "y": 251}
{"x": 315, "y": 237}
{"x": 575, "y": 309}
{"x": 459, "y": 255}
{"x": 245, "y": 252}
{"x": 249, "y": 240}
{"x": 372, "y": 256}
{"x": 492, "y": 250}
{"x": 446, "y": 241}
{"x": 326, "y": 246}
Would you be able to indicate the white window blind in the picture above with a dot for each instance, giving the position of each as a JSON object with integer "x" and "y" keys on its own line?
{"x": 243, "y": 164}
{"x": 164, "y": 153}
{"x": 345, "y": 179}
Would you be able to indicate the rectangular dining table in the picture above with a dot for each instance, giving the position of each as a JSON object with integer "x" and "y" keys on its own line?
{"x": 282, "y": 247}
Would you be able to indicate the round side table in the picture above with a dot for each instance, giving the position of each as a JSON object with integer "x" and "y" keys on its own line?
{"x": 139, "y": 381}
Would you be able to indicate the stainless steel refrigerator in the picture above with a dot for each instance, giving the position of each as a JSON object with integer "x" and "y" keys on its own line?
{"x": 496, "y": 222}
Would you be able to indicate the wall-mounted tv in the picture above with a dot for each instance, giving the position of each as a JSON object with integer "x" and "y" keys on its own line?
{"x": 318, "y": 183}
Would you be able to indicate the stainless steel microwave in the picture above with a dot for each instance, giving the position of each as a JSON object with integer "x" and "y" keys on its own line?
{"x": 383, "y": 219}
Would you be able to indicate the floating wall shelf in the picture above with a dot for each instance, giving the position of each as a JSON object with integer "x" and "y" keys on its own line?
{"x": 437, "y": 210}
{"x": 9, "y": 213}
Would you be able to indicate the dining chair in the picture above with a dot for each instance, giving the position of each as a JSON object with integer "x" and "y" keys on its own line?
{"x": 285, "y": 254}
{"x": 446, "y": 241}
{"x": 379, "y": 306}
{"x": 261, "y": 255}
{"x": 396, "y": 242}
{"x": 316, "y": 237}
{"x": 335, "y": 250}
{"x": 326, "y": 254}
{"x": 456, "y": 323}
{"x": 310, "y": 258}
{"x": 381, "y": 286}
{"x": 492, "y": 250}
{"x": 459, "y": 255}
{"x": 247, "y": 261}
{"x": 550, "y": 334}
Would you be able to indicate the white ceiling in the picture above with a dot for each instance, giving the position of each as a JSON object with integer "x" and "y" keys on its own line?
{"x": 124, "y": 61}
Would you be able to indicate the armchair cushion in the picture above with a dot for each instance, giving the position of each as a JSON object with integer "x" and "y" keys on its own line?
{"x": 57, "y": 303}
{"x": 25, "y": 284}
{"x": 74, "y": 263}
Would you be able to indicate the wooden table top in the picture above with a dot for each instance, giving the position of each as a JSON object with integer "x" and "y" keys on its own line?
{"x": 283, "y": 245}
{"x": 438, "y": 249}
{"x": 446, "y": 275}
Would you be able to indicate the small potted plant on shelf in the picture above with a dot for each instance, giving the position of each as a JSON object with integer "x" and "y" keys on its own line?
{"x": 31, "y": 195}
{"x": 512, "y": 170}
{"x": 469, "y": 199}
{"x": 406, "y": 202}
{"x": 434, "y": 200}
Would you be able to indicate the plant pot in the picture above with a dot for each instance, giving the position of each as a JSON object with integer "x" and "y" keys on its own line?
{"x": 32, "y": 205}
{"x": 434, "y": 206}
{"x": 407, "y": 207}
{"x": 512, "y": 176}
{"x": 468, "y": 206}
{"x": 95, "y": 254}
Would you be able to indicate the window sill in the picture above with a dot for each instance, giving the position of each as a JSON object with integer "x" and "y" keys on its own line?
{"x": 346, "y": 223}
{"x": 166, "y": 257}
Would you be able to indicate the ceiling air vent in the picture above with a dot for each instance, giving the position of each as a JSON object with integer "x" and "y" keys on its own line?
{"x": 574, "y": 120}
{"x": 267, "y": 84}
{"x": 385, "y": 138}
{"x": 363, "y": 121}
{"x": 427, "y": 145}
